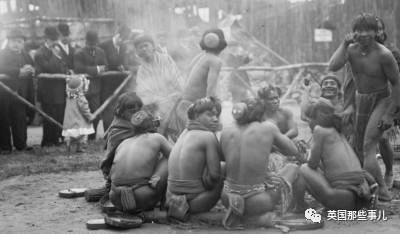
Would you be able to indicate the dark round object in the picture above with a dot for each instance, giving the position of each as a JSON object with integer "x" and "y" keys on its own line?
{"x": 123, "y": 221}
{"x": 94, "y": 195}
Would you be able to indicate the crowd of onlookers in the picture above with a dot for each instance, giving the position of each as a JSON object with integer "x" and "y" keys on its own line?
{"x": 56, "y": 56}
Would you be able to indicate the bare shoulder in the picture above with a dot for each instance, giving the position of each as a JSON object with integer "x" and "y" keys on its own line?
{"x": 321, "y": 131}
{"x": 267, "y": 126}
{"x": 385, "y": 53}
{"x": 214, "y": 59}
{"x": 157, "y": 136}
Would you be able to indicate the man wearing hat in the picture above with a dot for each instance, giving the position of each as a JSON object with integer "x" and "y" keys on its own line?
{"x": 18, "y": 66}
{"x": 67, "y": 51}
{"x": 51, "y": 92}
{"x": 116, "y": 55}
{"x": 91, "y": 60}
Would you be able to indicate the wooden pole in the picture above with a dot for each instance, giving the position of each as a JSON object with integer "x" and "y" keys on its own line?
{"x": 285, "y": 67}
{"x": 27, "y": 103}
{"x": 113, "y": 96}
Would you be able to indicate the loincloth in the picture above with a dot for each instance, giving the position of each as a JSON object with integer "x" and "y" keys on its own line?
{"x": 365, "y": 105}
{"x": 122, "y": 193}
{"x": 177, "y": 119}
{"x": 179, "y": 193}
{"x": 238, "y": 193}
{"x": 356, "y": 182}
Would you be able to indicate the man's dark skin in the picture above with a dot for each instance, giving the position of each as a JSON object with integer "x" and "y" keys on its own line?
{"x": 373, "y": 66}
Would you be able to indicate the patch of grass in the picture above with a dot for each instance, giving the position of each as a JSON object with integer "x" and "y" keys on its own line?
{"x": 51, "y": 160}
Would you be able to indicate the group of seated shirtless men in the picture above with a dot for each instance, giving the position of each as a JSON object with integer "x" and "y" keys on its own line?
{"x": 189, "y": 177}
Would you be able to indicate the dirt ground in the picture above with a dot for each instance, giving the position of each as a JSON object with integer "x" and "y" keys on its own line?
{"x": 30, "y": 204}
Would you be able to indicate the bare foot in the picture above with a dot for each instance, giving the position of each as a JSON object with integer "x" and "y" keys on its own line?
{"x": 384, "y": 194}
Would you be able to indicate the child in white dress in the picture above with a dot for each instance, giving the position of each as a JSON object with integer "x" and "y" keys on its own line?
{"x": 77, "y": 118}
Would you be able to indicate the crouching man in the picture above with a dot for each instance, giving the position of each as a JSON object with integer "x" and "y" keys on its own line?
{"x": 139, "y": 173}
{"x": 341, "y": 184}
{"x": 194, "y": 170}
{"x": 250, "y": 190}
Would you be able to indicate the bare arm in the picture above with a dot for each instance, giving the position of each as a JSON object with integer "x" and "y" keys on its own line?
{"x": 292, "y": 126}
{"x": 316, "y": 148}
{"x": 284, "y": 144}
{"x": 165, "y": 145}
{"x": 340, "y": 56}
{"x": 391, "y": 71}
{"x": 212, "y": 161}
{"x": 212, "y": 79}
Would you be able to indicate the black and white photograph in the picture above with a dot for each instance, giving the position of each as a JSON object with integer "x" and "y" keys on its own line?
{"x": 200, "y": 116}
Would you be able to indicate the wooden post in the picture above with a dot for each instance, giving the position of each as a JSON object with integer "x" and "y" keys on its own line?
{"x": 30, "y": 105}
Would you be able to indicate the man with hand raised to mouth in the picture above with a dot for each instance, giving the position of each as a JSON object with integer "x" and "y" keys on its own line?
{"x": 373, "y": 67}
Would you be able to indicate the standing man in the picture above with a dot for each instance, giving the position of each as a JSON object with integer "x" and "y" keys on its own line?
{"x": 18, "y": 66}
{"x": 116, "y": 53}
{"x": 51, "y": 92}
{"x": 373, "y": 67}
{"x": 91, "y": 60}
{"x": 194, "y": 170}
{"x": 67, "y": 51}
{"x": 202, "y": 81}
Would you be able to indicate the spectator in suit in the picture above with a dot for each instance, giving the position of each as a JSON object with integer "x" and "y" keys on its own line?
{"x": 116, "y": 54}
{"x": 91, "y": 60}
{"x": 67, "y": 50}
{"x": 18, "y": 66}
{"x": 51, "y": 92}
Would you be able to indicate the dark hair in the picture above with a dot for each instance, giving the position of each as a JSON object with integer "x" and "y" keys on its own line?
{"x": 222, "y": 42}
{"x": 92, "y": 37}
{"x": 247, "y": 111}
{"x": 127, "y": 101}
{"x": 63, "y": 28}
{"x": 51, "y": 33}
{"x": 266, "y": 91}
{"x": 202, "y": 105}
{"x": 144, "y": 121}
{"x": 324, "y": 115}
{"x": 365, "y": 22}
{"x": 381, "y": 39}
{"x": 331, "y": 77}
{"x": 143, "y": 38}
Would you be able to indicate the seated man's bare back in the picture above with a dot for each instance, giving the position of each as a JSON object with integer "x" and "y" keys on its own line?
{"x": 342, "y": 184}
{"x": 249, "y": 193}
{"x": 194, "y": 170}
{"x": 139, "y": 174}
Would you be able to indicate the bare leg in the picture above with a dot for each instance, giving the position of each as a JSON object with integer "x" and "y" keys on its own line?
{"x": 371, "y": 139}
{"x": 387, "y": 156}
{"x": 321, "y": 190}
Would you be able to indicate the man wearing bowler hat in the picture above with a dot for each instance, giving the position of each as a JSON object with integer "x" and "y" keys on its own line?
{"x": 51, "y": 92}
{"x": 91, "y": 60}
{"x": 18, "y": 66}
